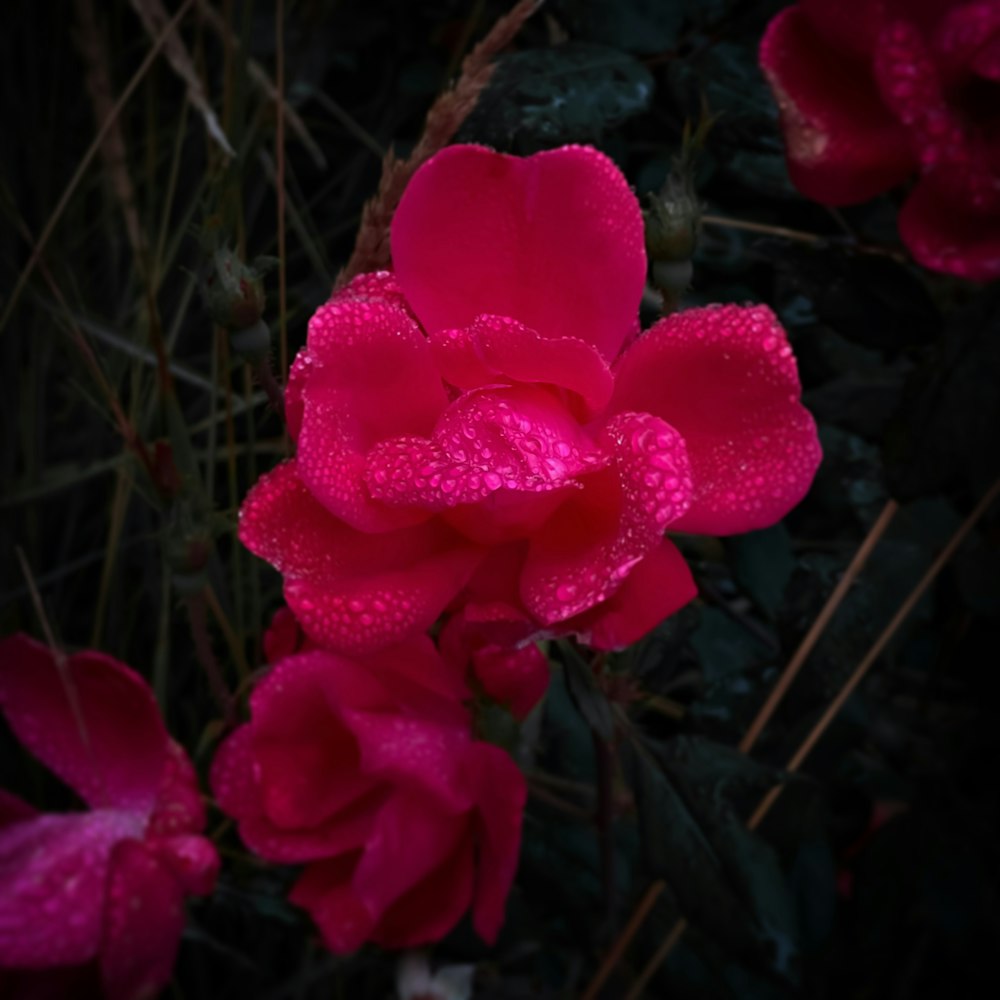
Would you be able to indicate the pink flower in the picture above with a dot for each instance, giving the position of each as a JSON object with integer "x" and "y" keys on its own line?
{"x": 470, "y": 433}
{"x": 101, "y": 890}
{"x": 873, "y": 92}
{"x": 366, "y": 772}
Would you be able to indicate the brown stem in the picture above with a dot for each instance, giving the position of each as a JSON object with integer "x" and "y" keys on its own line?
{"x": 268, "y": 382}
{"x": 198, "y": 617}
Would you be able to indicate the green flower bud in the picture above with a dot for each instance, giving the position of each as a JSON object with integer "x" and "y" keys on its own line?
{"x": 234, "y": 291}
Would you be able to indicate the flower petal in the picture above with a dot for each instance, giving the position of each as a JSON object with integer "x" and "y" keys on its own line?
{"x": 325, "y": 890}
{"x": 143, "y": 924}
{"x": 238, "y": 795}
{"x": 413, "y": 751}
{"x": 352, "y": 591}
{"x": 179, "y": 808}
{"x": 590, "y": 544}
{"x": 658, "y": 586}
{"x": 502, "y": 795}
{"x": 554, "y": 240}
{"x": 519, "y": 439}
{"x": 95, "y": 723}
{"x": 433, "y": 906}
{"x": 411, "y": 838}
{"x": 948, "y": 236}
{"x": 725, "y": 377}
{"x": 371, "y": 376}
{"x": 497, "y": 348}
{"x": 843, "y": 145}
{"x": 53, "y": 871}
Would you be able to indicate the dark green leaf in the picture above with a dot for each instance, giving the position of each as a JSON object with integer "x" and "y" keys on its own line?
{"x": 725, "y": 879}
{"x": 644, "y": 26}
{"x": 763, "y": 563}
{"x": 587, "y": 696}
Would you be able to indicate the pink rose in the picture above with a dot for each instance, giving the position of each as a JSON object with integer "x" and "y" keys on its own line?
{"x": 95, "y": 899}
{"x": 366, "y": 772}
{"x": 469, "y": 431}
{"x": 873, "y": 91}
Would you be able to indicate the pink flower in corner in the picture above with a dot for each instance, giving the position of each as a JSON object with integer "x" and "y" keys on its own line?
{"x": 873, "y": 92}
{"x": 366, "y": 772}
{"x": 95, "y": 899}
{"x": 471, "y": 435}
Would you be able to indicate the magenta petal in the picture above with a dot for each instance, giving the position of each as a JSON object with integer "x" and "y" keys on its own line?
{"x": 53, "y": 871}
{"x": 554, "y": 241}
{"x": 519, "y": 439}
{"x": 590, "y": 544}
{"x": 517, "y": 678}
{"x": 143, "y": 924}
{"x": 14, "y": 809}
{"x": 842, "y": 144}
{"x": 725, "y": 377}
{"x": 502, "y": 795}
{"x": 658, "y": 586}
{"x": 432, "y": 907}
{"x": 194, "y": 861}
{"x": 95, "y": 724}
{"x": 371, "y": 376}
{"x": 411, "y": 838}
{"x": 497, "y": 348}
{"x": 179, "y": 808}
{"x": 948, "y": 236}
{"x": 413, "y": 751}
{"x": 325, "y": 890}
{"x": 352, "y": 591}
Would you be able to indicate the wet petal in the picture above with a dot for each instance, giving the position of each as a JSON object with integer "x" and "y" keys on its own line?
{"x": 238, "y": 794}
{"x": 179, "y": 808}
{"x": 143, "y": 924}
{"x": 95, "y": 724}
{"x": 843, "y": 145}
{"x": 350, "y": 590}
{"x": 325, "y": 890}
{"x": 726, "y": 378}
{"x": 413, "y": 751}
{"x": 53, "y": 870}
{"x": 499, "y": 349}
{"x": 554, "y": 240}
{"x": 518, "y": 440}
{"x": 588, "y": 547}
{"x": 948, "y": 236}
{"x": 657, "y": 587}
{"x": 502, "y": 795}
{"x": 371, "y": 376}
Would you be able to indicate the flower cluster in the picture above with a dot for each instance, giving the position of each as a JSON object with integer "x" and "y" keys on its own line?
{"x": 365, "y": 771}
{"x": 93, "y": 901}
{"x": 483, "y": 431}
{"x": 872, "y": 93}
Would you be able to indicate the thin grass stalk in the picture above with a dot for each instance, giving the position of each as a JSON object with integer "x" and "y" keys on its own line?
{"x": 116, "y": 524}
{"x": 38, "y": 248}
{"x": 823, "y": 723}
{"x": 279, "y": 159}
{"x": 819, "y": 625}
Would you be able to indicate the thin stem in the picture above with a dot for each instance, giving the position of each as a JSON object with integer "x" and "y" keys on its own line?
{"x": 605, "y": 815}
{"x": 796, "y": 760}
{"x": 279, "y": 156}
{"x": 196, "y": 607}
{"x": 84, "y": 163}
{"x": 273, "y": 391}
{"x": 819, "y": 625}
{"x": 614, "y": 955}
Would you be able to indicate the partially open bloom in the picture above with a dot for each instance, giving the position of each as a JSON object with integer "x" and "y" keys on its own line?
{"x": 470, "y": 433}
{"x": 873, "y": 92}
{"x": 366, "y": 771}
{"x": 94, "y": 899}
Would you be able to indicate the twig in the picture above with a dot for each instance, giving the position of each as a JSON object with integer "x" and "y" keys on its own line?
{"x": 614, "y": 956}
{"x": 371, "y": 251}
{"x": 196, "y": 607}
{"x": 279, "y": 157}
{"x": 796, "y": 760}
{"x": 819, "y": 625}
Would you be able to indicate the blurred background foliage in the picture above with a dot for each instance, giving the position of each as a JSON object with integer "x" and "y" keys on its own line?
{"x": 875, "y": 873}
